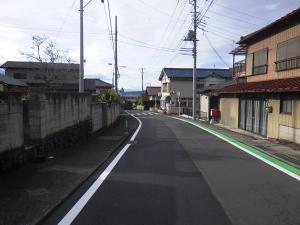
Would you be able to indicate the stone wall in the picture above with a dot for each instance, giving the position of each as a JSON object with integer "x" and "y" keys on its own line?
{"x": 11, "y": 122}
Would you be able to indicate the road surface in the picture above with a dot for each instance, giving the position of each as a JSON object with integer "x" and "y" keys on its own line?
{"x": 174, "y": 173}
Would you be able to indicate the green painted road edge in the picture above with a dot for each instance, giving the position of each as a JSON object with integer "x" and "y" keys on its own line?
{"x": 250, "y": 149}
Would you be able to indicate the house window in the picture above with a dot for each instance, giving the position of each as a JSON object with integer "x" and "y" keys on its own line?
{"x": 286, "y": 104}
{"x": 260, "y": 62}
{"x": 199, "y": 86}
{"x": 20, "y": 75}
{"x": 288, "y": 54}
{"x": 165, "y": 87}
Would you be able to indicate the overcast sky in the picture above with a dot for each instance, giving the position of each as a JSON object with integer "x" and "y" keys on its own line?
{"x": 150, "y": 32}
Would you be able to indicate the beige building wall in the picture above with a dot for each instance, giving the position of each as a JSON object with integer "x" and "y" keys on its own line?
{"x": 284, "y": 126}
{"x": 271, "y": 43}
{"x": 229, "y": 109}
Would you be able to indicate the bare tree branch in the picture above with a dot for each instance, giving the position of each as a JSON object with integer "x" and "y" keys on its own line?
{"x": 43, "y": 50}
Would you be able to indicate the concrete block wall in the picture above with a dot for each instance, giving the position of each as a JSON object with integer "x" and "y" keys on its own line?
{"x": 111, "y": 113}
{"x": 50, "y": 113}
{"x": 11, "y": 123}
{"x": 96, "y": 115}
{"x": 47, "y": 114}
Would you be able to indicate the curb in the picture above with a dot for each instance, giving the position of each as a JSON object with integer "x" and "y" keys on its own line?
{"x": 268, "y": 152}
{"x": 50, "y": 211}
{"x": 272, "y": 160}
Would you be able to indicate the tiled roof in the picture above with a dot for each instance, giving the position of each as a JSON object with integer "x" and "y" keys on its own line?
{"x": 153, "y": 90}
{"x": 280, "y": 85}
{"x": 201, "y": 73}
{"x": 38, "y": 65}
{"x": 216, "y": 87}
{"x": 91, "y": 84}
{"x": 11, "y": 81}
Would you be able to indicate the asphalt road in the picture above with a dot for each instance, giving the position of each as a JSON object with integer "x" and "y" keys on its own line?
{"x": 175, "y": 173}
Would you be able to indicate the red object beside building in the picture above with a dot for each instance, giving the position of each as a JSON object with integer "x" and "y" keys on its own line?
{"x": 214, "y": 112}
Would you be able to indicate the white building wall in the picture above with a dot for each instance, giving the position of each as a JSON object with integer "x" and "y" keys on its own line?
{"x": 204, "y": 107}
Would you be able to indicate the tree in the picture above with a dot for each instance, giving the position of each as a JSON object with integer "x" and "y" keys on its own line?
{"x": 109, "y": 96}
{"x": 141, "y": 99}
{"x": 45, "y": 51}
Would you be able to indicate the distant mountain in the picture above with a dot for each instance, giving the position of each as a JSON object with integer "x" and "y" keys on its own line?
{"x": 132, "y": 93}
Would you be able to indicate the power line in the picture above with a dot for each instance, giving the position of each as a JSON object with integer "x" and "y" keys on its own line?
{"x": 109, "y": 29}
{"x": 66, "y": 18}
{"x": 154, "y": 8}
{"x": 109, "y": 13}
{"x": 243, "y": 13}
{"x": 209, "y": 29}
{"x": 235, "y": 18}
{"x": 204, "y": 14}
{"x": 149, "y": 47}
{"x": 215, "y": 50}
{"x": 220, "y": 35}
{"x": 176, "y": 22}
{"x": 170, "y": 19}
{"x": 144, "y": 43}
{"x": 224, "y": 30}
{"x": 178, "y": 47}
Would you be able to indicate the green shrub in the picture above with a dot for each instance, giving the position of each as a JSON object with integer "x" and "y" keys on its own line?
{"x": 109, "y": 96}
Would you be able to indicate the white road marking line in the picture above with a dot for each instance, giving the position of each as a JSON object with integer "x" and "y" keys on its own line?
{"x": 137, "y": 130}
{"x": 80, "y": 204}
{"x": 246, "y": 151}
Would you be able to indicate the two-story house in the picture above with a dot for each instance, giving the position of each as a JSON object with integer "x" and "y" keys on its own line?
{"x": 178, "y": 82}
{"x": 266, "y": 97}
{"x": 51, "y": 76}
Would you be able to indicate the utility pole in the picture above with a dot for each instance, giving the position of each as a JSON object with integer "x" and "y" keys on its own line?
{"x": 116, "y": 54}
{"x": 142, "y": 70}
{"x": 81, "y": 67}
{"x": 195, "y": 57}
